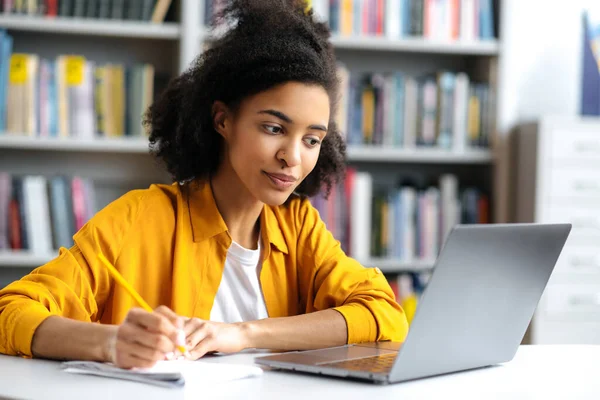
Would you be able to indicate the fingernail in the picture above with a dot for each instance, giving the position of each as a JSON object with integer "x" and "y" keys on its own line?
{"x": 181, "y": 338}
{"x": 169, "y": 356}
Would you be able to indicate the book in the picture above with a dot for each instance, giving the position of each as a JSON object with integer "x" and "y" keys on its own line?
{"x": 73, "y": 97}
{"x": 160, "y": 10}
{"x": 39, "y": 234}
{"x": 5, "y": 197}
{"x": 43, "y": 213}
{"x": 590, "y": 74}
{"x": 194, "y": 375}
{"x": 407, "y": 221}
{"x": 444, "y": 110}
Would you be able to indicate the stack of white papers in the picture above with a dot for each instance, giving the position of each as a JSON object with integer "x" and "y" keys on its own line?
{"x": 175, "y": 373}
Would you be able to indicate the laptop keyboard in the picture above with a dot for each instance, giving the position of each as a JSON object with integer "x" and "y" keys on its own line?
{"x": 380, "y": 364}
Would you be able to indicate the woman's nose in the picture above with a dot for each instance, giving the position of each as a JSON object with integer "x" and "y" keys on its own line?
{"x": 290, "y": 155}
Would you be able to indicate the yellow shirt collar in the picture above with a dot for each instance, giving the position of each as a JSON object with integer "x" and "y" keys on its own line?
{"x": 207, "y": 222}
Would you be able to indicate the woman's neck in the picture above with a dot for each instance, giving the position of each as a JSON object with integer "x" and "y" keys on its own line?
{"x": 239, "y": 209}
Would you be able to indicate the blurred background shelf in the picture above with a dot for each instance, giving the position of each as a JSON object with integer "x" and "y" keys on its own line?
{"x": 392, "y": 266}
{"x": 24, "y": 259}
{"x": 418, "y": 155}
{"x": 91, "y": 27}
{"x": 412, "y": 134}
{"x": 27, "y": 259}
{"x": 354, "y": 153}
{"x": 117, "y": 145}
{"x": 489, "y": 47}
{"x": 417, "y": 45}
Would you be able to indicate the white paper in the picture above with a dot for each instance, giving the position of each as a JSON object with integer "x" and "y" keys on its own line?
{"x": 175, "y": 373}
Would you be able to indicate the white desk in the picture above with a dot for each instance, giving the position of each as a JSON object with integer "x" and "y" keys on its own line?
{"x": 537, "y": 372}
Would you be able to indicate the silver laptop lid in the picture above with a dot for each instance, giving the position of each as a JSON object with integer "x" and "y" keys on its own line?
{"x": 484, "y": 290}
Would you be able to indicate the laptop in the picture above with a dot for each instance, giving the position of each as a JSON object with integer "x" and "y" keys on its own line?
{"x": 473, "y": 313}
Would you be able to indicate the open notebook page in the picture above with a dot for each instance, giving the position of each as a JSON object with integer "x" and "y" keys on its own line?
{"x": 174, "y": 373}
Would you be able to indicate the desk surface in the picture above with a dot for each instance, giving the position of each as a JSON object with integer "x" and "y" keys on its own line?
{"x": 537, "y": 372}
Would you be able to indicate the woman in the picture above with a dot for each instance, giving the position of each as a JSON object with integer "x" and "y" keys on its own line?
{"x": 232, "y": 255}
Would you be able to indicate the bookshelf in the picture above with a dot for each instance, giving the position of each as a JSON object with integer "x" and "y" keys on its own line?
{"x": 24, "y": 259}
{"x": 417, "y": 155}
{"x": 27, "y": 259}
{"x": 394, "y": 266}
{"x": 90, "y": 27}
{"x": 354, "y": 153}
{"x": 123, "y": 163}
{"x": 115, "y": 165}
{"x": 118, "y": 145}
{"x": 489, "y": 47}
{"x": 417, "y": 45}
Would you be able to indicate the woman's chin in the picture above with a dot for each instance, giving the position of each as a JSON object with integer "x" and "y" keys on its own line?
{"x": 274, "y": 198}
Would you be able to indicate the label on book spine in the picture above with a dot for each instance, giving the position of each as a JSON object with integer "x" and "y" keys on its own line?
{"x": 18, "y": 69}
{"x": 74, "y": 70}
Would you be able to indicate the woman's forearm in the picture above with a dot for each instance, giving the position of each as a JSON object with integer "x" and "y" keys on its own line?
{"x": 319, "y": 329}
{"x": 66, "y": 339}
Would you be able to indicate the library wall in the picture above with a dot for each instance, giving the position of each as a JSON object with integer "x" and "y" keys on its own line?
{"x": 445, "y": 177}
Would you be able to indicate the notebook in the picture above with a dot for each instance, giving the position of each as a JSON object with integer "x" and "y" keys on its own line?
{"x": 176, "y": 373}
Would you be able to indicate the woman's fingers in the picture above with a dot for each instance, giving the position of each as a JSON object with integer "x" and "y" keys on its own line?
{"x": 175, "y": 319}
{"x": 204, "y": 347}
{"x": 202, "y": 340}
{"x": 190, "y": 325}
{"x": 205, "y": 337}
{"x": 127, "y": 361}
{"x": 140, "y": 351}
{"x": 153, "y": 322}
{"x": 198, "y": 330}
{"x": 146, "y": 337}
{"x": 135, "y": 334}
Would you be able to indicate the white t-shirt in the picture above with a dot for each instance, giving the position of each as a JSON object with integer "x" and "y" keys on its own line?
{"x": 240, "y": 297}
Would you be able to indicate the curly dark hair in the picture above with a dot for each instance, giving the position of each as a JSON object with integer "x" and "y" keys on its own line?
{"x": 269, "y": 43}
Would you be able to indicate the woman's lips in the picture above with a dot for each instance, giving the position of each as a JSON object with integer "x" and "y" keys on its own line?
{"x": 281, "y": 181}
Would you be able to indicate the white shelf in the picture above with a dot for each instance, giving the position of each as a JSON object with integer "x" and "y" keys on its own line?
{"x": 393, "y": 265}
{"x": 404, "y": 45}
{"x": 354, "y": 153}
{"x": 24, "y": 259}
{"x": 417, "y": 45}
{"x": 417, "y": 155}
{"x": 89, "y": 26}
{"x": 116, "y": 145}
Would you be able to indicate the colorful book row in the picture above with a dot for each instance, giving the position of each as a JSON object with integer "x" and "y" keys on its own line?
{"x": 42, "y": 214}
{"x": 405, "y": 223}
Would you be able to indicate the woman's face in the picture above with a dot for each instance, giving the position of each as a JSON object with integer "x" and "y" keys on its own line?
{"x": 274, "y": 139}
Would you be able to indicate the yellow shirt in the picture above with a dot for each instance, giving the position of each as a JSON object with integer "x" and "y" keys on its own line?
{"x": 170, "y": 243}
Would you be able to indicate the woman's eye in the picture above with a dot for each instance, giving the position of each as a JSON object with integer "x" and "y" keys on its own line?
{"x": 312, "y": 142}
{"x": 273, "y": 129}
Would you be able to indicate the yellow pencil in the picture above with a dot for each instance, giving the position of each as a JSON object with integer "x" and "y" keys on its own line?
{"x": 119, "y": 278}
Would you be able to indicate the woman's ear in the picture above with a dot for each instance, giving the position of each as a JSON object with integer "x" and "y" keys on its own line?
{"x": 220, "y": 114}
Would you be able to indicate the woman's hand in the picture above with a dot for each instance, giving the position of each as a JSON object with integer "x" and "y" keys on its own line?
{"x": 145, "y": 338}
{"x": 203, "y": 337}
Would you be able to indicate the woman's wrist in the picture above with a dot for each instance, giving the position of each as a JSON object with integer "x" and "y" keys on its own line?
{"x": 109, "y": 344}
{"x": 249, "y": 332}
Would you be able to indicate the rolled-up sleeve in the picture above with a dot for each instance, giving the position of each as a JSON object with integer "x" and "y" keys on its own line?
{"x": 362, "y": 295}
{"x": 64, "y": 287}
{"x": 73, "y": 285}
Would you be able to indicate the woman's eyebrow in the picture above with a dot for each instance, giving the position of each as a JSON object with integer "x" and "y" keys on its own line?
{"x": 277, "y": 114}
{"x": 283, "y": 117}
